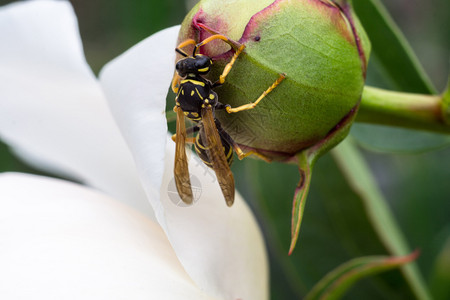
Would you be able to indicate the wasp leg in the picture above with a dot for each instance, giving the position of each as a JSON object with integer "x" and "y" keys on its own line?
{"x": 176, "y": 83}
{"x": 253, "y": 105}
{"x": 241, "y": 155}
{"x": 189, "y": 140}
{"x": 228, "y": 67}
{"x": 233, "y": 44}
{"x": 190, "y": 130}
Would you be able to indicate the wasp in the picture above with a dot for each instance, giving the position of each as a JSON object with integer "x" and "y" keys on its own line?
{"x": 197, "y": 101}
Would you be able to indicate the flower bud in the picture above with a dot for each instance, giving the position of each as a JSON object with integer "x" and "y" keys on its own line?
{"x": 319, "y": 45}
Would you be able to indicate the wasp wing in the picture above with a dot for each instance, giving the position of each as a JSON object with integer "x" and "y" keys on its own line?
{"x": 181, "y": 170}
{"x": 216, "y": 155}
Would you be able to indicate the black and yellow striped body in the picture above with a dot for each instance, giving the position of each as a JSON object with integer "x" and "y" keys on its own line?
{"x": 194, "y": 92}
{"x": 202, "y": 150}
{"x": 197, "y": 101}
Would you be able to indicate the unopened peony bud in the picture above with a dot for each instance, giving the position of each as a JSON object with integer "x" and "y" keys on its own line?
{"x": 319, "y": 45}
{"x": 323, "y": 50}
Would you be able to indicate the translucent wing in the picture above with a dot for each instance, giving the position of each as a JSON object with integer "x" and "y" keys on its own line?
{"x": 217, "y": 157}
{"x": 181, "y": 169}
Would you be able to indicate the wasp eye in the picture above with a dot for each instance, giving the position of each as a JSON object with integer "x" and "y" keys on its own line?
{"x": 180, "y": 67}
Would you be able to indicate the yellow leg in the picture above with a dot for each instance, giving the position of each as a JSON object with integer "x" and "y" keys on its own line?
{"x": 189, "y": 140}
{"x": 238, "y": 47}
{"x": 241, "y": 155}
{"x": 228, "y": 67}
{"x": 253, "y": 105}
{"x": 233, "y": 44}
{"x": 176, "y": 82}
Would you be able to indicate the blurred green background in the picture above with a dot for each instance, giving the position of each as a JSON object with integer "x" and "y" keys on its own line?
{"x": 335, "y": 227}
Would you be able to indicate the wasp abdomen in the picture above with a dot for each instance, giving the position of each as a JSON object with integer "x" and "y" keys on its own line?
{"x": 202, "y": 150}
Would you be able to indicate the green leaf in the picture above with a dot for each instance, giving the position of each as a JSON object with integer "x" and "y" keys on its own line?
{"x": 397, "y": 140}
{"x": 391, "y": 50}
{"x": 400, "y": 67}
{"x": 359, "y": 177}
{"x": 334, "y": 229}
{"x": 338, "y": 281}
{"x": 440, "y": 276}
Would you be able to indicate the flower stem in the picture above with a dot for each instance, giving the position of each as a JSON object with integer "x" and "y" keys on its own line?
{"x": 415, "y": 111}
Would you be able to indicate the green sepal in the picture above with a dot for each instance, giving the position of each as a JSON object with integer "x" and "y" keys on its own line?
{"x": 306, "y": 160}
{"x": 301, "y": 192}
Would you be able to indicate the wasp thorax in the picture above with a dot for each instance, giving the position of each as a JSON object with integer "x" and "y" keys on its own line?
{"x": 319, "y": 45}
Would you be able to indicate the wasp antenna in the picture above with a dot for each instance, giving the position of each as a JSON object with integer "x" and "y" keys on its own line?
{"x": 181, "y": 52}
{"x": 196, "y": 48}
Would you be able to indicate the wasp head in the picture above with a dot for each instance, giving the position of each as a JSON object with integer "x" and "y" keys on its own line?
{"x": 196, "y": 65}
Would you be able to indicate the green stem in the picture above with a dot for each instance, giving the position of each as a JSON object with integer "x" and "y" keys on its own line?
{"x": 360, "y": 178}
{"x": 415, "y": 111}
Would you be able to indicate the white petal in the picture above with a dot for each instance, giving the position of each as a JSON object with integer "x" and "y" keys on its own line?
{"x": 52, "y": 108}
{"x": 63, "y": 241}
{"x": 221, "y": 248}
{"x": 136, "y": 85}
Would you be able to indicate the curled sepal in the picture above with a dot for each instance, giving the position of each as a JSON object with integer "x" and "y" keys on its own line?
{"x": 338, "y": 281}
{"x": 301, "y": 192}
{"x": 305, "y": 161}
